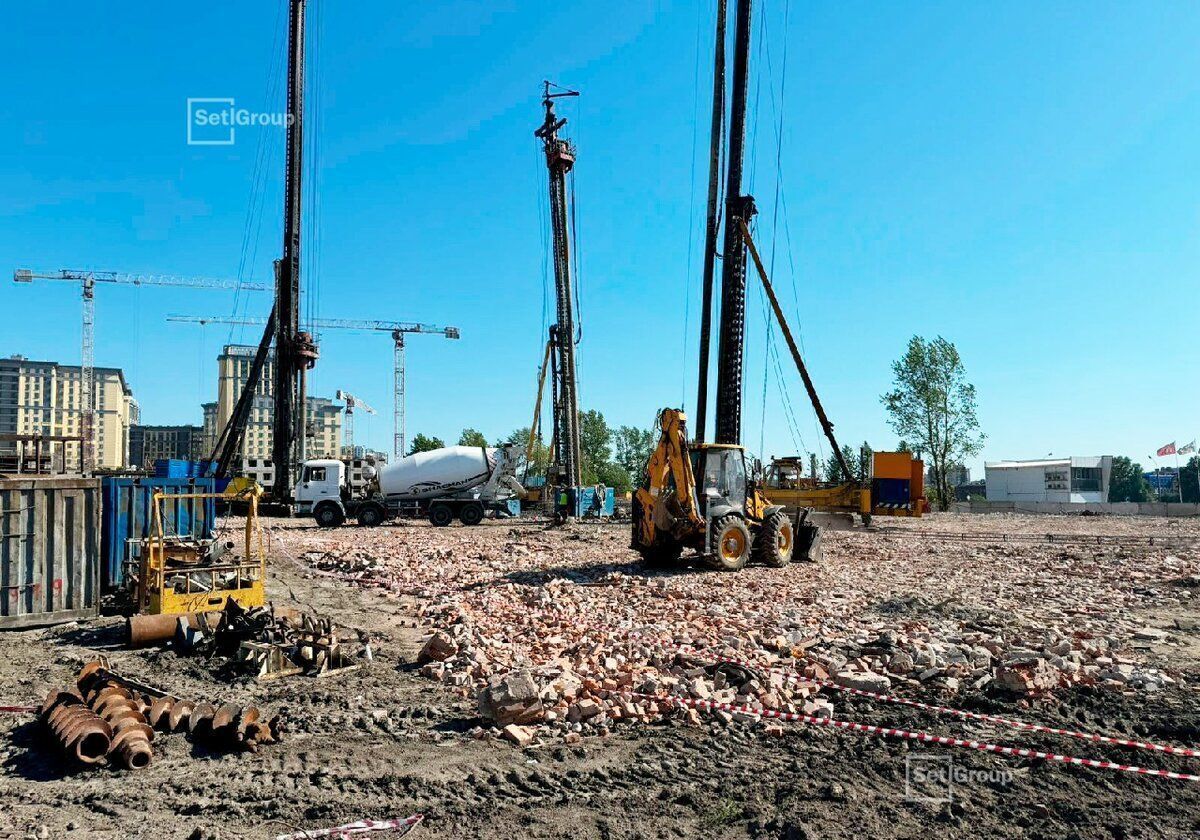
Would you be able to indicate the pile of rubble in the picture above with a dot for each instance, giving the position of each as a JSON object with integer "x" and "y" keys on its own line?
{"x": 550, "y": 627}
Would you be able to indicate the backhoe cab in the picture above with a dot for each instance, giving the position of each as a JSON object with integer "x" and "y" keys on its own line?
{"x": 701, "y": 497}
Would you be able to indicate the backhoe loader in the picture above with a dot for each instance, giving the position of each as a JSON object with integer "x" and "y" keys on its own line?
{"x": 701, "y": 496}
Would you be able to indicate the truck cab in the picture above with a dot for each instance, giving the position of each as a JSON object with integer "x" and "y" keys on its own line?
{"x": 319, "y": 492}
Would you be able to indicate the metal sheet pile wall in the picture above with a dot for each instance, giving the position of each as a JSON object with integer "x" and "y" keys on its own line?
{"x": 49, "y": 551}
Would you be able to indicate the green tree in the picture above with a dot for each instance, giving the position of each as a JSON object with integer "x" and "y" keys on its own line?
{"x": 1189, "y": 479}
{"x": 632, "y": 447}
{"x": 535, "y": 461}
{"x": 424, "y": 443}
{"x": 932, "y": 405}
{"x": 472, "y": 437}
{"x": 859, "y": 462}
{"x": 595, "y": 445}
{"x": 614, "y": 475}
{"x": 1127, "y": 482}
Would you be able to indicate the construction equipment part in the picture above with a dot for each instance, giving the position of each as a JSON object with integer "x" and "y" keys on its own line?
{"x": 121, "y": 710}
{"x": 396, "y": 329}
{"x": 82, "y": 733}
{"x": 565, "y": 462}
{"x": 179, "y": 576}
{"x": 88, "y": 280}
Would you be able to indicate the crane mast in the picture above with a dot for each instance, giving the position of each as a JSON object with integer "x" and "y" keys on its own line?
{"x": 560, "y": 158}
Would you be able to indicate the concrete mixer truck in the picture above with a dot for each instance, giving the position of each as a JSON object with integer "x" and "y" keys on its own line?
{"x": 454, "y": 482}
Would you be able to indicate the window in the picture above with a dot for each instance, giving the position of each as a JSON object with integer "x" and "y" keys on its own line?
{"x": 1086, "y": 479}
{"x": 1057, "y": 479}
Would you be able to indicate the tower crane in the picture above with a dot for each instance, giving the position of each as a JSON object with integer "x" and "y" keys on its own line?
{"x": 397, "y": 330}
{"x": 87, "y": 281}
{"x": 352, "y": 402}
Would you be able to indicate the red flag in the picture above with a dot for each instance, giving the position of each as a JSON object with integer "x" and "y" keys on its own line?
{"x": 1169, "y": 449}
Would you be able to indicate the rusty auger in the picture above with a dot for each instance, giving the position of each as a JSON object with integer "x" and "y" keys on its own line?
{"x": 78, "y": 730}
{"x": 122, "y": 710}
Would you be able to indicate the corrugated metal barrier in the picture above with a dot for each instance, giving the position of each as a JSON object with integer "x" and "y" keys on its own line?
{"x": 127, "y": 517}
{"x": 49, "y": 551}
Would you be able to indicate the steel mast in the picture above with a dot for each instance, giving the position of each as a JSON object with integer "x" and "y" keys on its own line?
{"x": 560, "y": 158}
{"x": 732, "y": 344}
{"x": 295, "y": 351}
{"x": 713, "y": 223}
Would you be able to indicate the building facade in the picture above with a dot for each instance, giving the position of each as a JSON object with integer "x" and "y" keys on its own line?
{"x": 46, "y": 398}
{"x": 324, "y": 419}
{"x": 148, "y": 444}
{"x": 1079, "y": 479}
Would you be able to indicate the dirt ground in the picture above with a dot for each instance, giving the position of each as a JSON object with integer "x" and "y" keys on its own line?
{"x": 384, "y": 741}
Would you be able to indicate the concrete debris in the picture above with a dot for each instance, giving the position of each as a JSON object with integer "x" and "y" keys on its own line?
{"x": 513, "y": 698}
{"x": 544, "y": 628}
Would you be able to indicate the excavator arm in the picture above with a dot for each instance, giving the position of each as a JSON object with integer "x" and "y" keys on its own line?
{"x": 667, "y": 498}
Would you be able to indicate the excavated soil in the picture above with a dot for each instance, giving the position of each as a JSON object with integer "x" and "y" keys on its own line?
{"x": 383, "y": 741}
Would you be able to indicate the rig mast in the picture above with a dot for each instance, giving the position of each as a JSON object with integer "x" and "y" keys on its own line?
{"x": 560, "y": 158}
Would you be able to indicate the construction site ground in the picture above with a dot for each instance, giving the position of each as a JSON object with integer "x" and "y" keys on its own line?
{"x": 387, "y": 740}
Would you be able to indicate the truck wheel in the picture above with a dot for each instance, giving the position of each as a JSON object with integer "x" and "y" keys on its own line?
{"x": 731, "y": 543}
{"x": 441, "y": 515}
{"x": 775, "y": 542}
{"x": 329, "y": 516}
{"x": 370, "y": 515}
{"x": 471, "y": 514}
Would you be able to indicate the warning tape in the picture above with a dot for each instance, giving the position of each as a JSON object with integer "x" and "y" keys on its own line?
{"x": 19, "y": 710}
{"x": 360, "y": 827}
{"x": 943, "y": 740}
{"x": 1018, "y": 724}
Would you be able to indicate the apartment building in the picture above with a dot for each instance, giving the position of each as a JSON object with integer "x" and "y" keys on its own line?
{"x": 45, "y": 398}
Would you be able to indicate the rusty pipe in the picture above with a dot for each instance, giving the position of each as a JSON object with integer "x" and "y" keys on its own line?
{"x": 146, "y": 630}
{"x": 78, "y": 730}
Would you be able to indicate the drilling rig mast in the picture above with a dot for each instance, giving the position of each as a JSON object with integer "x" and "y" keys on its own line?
{"x": 560, "y": 158}
{"x": 295, "y": 351}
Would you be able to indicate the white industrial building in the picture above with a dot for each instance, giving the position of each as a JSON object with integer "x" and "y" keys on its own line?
{"x": 1080, "y": 479}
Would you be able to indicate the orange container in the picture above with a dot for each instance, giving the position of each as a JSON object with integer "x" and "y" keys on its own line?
{"x": 916, "y": 486}
{"x": 893, "y": 465}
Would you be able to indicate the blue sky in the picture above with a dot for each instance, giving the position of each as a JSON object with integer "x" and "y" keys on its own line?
{"x": 1021, "y": 178}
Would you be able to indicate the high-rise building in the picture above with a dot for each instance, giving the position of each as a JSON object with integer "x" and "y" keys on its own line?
{"x": 324, "y": 419}
{"x": 148, "y": 444}
{"x": 45, "y": 398}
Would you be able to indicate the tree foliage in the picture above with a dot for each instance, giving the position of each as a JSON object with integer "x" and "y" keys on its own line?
{"x": 632, "y": 447}
{"x": 424, "y": 443}
{"x": 472, "y": 437}
{"x": 932, "y": 406}
{"x": 858, "y": 460}
{"x": 536, "y": 461}
{"x": 1189, "y": 479}
{"x": 1127, "y": 482}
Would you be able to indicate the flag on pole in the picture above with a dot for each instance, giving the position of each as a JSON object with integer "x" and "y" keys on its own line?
{"x": 1189, "y": 449}
{"x": 1169, "y": 449}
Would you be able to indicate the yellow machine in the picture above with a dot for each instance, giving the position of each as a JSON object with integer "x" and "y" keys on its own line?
{"x": 786, "y": 484}
{"x": 700, "y": 496}
{"x": 184, "y": 575}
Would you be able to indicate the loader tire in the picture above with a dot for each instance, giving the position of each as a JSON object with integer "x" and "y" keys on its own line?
{"x": 776, "y": 541}
{"x": 730, "y": 543}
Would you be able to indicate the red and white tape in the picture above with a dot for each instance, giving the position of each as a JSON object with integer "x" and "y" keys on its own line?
{"x": 19, "y": 710}
{"x": 962, "y": 713}
{"x": 360, "y": 827}
{"x": 943, "y": 740}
